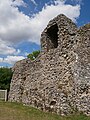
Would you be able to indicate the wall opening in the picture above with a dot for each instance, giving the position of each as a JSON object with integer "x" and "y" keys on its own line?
{"x": 52, "y": 33}
{"x": 52, "y": 102}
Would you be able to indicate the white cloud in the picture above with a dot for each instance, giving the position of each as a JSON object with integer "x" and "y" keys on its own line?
{"x": 18, "y": 3}
{"x": 5, "y": 49}
{"x": 33, "y": 2}
{"x": 77, "y": 1}
{"x": 11, "y": 59}
{"x": 41, "y": 19}
{"x": 1, "y": 59}
{"x": 1, "y": 66}
{"x": 16, "y": 26}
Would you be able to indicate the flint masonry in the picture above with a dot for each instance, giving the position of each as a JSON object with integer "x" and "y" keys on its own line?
{"x": 59, "y": 79}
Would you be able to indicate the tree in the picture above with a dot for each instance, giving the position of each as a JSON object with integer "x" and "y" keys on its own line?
{"x": 33, "y": 55}
{"x": 5, "y": 78}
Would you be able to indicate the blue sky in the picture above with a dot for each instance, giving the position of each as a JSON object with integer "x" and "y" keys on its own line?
{"x": 22, "y": 21}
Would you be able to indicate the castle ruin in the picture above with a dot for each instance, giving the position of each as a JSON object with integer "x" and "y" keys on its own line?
{"x": 58, "y": 80}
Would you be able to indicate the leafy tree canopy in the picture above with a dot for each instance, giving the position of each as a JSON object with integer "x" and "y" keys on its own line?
{"x": 33, "y": 55}
{"x": 5, "y": 78}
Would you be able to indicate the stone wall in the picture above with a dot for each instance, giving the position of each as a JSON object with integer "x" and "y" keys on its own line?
{"x": 59, "y": 79}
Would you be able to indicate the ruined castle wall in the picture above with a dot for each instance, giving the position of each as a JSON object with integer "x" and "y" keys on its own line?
{"x": 59, "y": 79}
{"x": 46, "y": 85}
{"x": 66, "y": 31}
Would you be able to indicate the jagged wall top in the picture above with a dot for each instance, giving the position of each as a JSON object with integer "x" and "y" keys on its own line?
{"x": 55, "y": 32}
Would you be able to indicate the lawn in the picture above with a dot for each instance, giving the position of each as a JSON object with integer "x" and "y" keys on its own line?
{"x": 15, "y": 111}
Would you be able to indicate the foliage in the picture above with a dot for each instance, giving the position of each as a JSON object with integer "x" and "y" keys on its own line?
{"x": 16, "y": 111}
{"x": 5, "y": 78}
{"x": 34, "y": 55}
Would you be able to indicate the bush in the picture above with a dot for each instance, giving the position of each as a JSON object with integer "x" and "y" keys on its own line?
{"x": 33, "y": 55}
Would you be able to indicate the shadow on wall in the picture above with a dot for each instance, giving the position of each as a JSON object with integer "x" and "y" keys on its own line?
{"x": 52, "y": 34}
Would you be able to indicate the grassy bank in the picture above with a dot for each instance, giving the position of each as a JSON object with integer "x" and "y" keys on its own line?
{"x": 15, "y": 111}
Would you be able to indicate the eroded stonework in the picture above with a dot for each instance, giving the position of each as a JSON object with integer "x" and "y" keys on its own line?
{"x": 59, "y": 79}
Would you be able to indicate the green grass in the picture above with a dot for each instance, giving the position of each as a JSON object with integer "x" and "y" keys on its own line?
{"x": 15, "y": 111}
